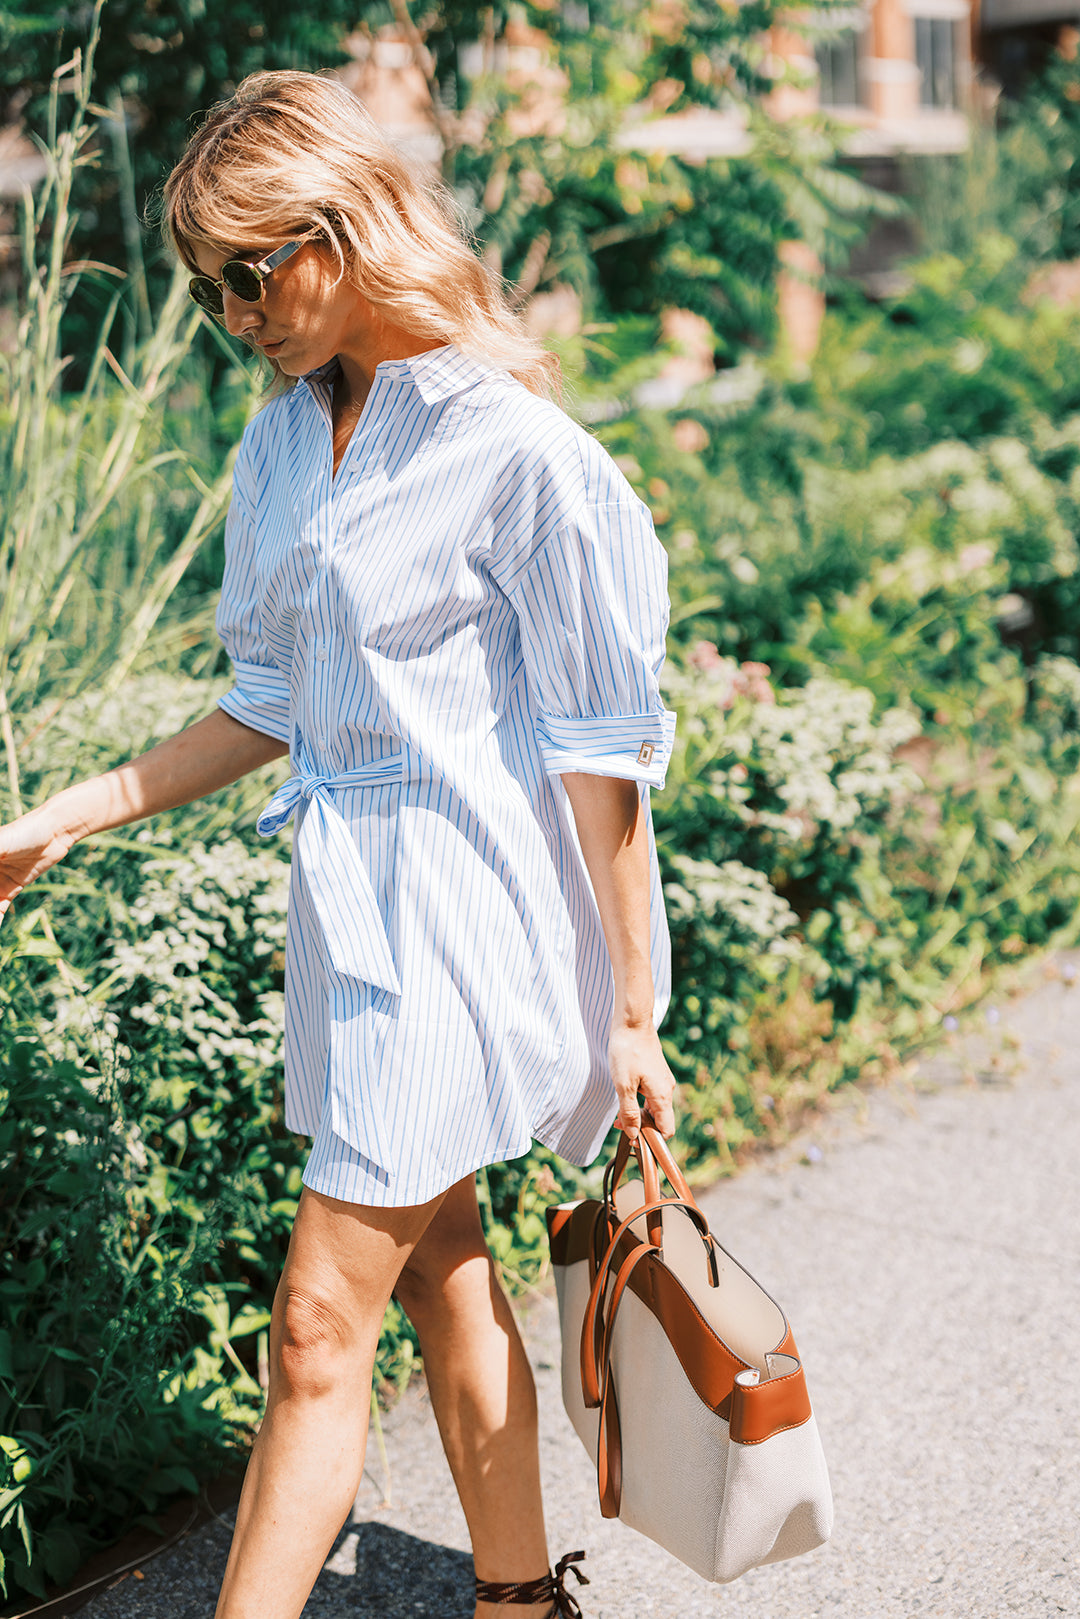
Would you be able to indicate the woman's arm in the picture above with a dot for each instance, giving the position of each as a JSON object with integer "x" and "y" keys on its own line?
{"x": 613, "y": 835}
{"x": 208, "y": 755}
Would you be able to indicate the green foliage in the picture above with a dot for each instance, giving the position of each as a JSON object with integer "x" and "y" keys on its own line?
{"x": 770, "y": 835}
{"x": 874, "y": 659}
{"x": 140, "y": 1034}
{"x": 536, "y": 159}
{"x": 109, "y": 499}
{"x": 145, "y": 1191}
{"x": 904, "y": 522}
{"x": 105, "y": 1409}
{"x": 1042, "y": 153}
{"x": 1019, "y": 177}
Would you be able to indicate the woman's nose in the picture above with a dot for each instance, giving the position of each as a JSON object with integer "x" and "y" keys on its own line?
{"x": 239, "y": 316}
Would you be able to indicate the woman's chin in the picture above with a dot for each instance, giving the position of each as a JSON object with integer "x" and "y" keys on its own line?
{"x": 296, "y": 361}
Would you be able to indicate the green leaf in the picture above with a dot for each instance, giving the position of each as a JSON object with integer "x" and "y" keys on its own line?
{"x": 168, "y": 1479}
{"x": 24, "y": 1531}
{"x": 62, "y": 1552}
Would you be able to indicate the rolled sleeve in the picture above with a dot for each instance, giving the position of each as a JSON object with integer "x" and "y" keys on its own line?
{"x": 592, "y": 610}
{"x": 633, "y": 747}
{"x": 260, "y": 697}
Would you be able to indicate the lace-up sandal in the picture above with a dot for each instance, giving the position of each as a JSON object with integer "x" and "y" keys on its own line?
{"x": 551, "y": 1588}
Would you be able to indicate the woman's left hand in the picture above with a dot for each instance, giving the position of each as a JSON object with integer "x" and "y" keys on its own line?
{"x": 639, "y": 1067}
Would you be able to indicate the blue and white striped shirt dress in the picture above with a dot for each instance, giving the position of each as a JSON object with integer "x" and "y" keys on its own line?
{"x": 475, "y": 603}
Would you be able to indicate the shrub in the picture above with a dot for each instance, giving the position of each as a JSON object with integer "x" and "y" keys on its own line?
{"x": 769, "y": 835}
{"x": 106, "y": 1408}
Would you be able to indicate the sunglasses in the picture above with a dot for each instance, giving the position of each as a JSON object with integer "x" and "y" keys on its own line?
{"x": 244, "y": 281}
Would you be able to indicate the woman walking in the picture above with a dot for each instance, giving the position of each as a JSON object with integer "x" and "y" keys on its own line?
{"x": 446, "y": 605}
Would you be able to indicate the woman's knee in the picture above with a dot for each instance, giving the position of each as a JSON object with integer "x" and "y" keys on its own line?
{"x": 317, "y": 1338}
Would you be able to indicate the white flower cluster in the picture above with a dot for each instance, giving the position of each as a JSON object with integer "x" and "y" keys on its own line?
{"x": 921, "y": 571}
{"x": 825, "y": 755}
{"x": 126, "y": 721}
{"x": 1059, "y": 679}
{"x": 819, "y": 749}
{"x": 954, "y": 510}
{"x": 744, "y": 898}
{"x": 78, "y": 1024}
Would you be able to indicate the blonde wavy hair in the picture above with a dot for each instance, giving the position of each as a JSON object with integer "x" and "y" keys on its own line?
{"x": 294, "y": 153}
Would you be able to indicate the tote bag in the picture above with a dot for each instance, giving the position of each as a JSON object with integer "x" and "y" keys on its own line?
{"x": 681, "y": 1377}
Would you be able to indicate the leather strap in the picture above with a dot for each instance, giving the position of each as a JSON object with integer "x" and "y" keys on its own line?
{"x": 609, "y": 1439}
{"x": 650, "y": 1181}
{"x": 550, "y": 1587}
{"x": 666, "y": 1161}
{"x": 654, "y": 1157}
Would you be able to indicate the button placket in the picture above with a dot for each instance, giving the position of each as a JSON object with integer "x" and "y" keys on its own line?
{"x": 319, "y": 678}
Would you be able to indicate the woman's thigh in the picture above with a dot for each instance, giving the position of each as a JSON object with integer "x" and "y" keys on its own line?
{"x": 343, "y": 1262}
{"x": 453, "y": 1238}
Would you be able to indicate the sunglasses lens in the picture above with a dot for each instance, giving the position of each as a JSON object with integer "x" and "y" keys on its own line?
{"x": 242, "y": 281}
{"x": 207, "y": 294}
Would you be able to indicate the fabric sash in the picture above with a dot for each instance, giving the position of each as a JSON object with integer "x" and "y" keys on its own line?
{"x": 344, "y": 899}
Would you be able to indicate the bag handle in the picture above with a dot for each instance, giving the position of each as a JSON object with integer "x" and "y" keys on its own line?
{"x": 650, "y": 1183}
{"x": 609, "y": 1430}
{"x": 654, "y": 1159}
{"x": 592, "y": 1346}
{"x": 665, "y": 1160}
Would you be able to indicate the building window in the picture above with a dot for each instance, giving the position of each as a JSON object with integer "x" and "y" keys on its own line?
{"x": 935, "y": 57}
{"x": 838, "y": 69}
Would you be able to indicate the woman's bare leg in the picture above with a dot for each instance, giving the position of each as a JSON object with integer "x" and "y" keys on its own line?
{"x": 482, "y": 1393}
{"x": 305, "y": 1467}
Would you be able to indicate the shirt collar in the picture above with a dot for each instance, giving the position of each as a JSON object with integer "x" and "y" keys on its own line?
{"x": 436, "y": 374}
{"x": 440, "y": 373}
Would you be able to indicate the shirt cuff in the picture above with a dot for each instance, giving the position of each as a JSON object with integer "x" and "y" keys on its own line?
{"x": 260, "y": 699}
{"x": 633, "y": 747}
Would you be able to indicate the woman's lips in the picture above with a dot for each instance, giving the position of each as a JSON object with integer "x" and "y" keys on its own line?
{"x": 270, "y": 349}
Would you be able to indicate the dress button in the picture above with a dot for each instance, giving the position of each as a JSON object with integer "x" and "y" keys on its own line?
{"x": 321, "y": 654}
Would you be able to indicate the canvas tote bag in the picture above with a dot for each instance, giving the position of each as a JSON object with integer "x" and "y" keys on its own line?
{"x": 681, "y": 1377}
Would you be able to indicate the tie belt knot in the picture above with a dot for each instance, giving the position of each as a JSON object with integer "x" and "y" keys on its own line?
{"x": 330, "y": 864}
{"x": 307, "y": 786}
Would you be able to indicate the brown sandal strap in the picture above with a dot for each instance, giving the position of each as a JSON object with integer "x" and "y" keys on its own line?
{"x": 551, "y": 1587}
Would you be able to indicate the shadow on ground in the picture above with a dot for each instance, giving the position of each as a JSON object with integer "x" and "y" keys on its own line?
{"x": 376, "y": 1572}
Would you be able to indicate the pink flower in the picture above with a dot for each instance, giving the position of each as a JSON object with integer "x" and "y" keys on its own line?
{"x": 704, "y": 655}
{"x": 752, "y": 681}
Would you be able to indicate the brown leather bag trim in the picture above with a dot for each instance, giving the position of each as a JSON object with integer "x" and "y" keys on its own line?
{"x": 768, "y": 1408}
{"x": 709, "y": 1364}
{"x": 562, "y": 1231}
{"x": 576, "y": 1232}
{"x": 757, "y": 1412}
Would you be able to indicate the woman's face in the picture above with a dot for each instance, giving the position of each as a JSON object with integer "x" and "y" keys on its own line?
{"x": 304, "y": 319}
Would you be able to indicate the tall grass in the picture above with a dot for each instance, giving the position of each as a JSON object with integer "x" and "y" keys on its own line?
{"x": 117, "y": 1372}
{"x": 105, "y": 507}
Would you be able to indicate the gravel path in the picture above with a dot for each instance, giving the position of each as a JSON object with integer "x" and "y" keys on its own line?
{"x": 925, "y": 1243}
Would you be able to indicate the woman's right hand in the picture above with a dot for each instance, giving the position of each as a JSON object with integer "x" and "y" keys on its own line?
{"x": 28, "y": 847}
